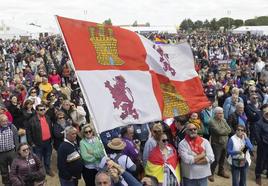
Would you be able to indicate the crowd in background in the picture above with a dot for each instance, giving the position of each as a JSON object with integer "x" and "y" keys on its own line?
{"x": 42, "y": 108}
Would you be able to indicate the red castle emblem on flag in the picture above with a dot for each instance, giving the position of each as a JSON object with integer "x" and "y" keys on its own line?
{"x": 164, "y": 59}
{"x": 122, "y": 96}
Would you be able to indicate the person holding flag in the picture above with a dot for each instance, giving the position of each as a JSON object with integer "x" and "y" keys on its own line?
{"x": 163, "y": 163}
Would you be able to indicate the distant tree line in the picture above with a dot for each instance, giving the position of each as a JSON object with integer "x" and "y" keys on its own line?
{"x": 226, "y": 23}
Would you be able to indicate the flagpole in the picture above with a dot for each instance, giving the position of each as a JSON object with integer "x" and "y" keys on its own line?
{"x": 82, "y": 89}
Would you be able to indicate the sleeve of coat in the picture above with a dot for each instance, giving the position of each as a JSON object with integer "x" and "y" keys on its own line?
{"x": 13, "y": 175}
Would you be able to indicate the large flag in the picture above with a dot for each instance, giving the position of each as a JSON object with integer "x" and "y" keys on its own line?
{"x": 127, "y": 79}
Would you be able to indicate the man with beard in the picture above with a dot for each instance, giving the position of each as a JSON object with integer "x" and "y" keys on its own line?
{"x": 196, "y": 156}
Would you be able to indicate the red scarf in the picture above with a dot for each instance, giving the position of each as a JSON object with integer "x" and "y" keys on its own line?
{"x": 195, "y": 144}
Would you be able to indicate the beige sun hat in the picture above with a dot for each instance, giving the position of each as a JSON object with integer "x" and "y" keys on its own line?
{"x": 116, "y": 144}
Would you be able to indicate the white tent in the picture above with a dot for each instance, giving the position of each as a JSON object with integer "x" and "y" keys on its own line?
{"x": 15, "y": 31}
{"x": 156, "y": 29}
{"x": 7, "y": 32}
{"x": 258, "y": 30}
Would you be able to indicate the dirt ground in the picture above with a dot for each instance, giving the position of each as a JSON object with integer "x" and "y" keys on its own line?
{"x": 219, "y": 181}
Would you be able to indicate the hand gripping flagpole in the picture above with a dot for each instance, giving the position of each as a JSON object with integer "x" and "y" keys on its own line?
{"x": 92, "y": 118}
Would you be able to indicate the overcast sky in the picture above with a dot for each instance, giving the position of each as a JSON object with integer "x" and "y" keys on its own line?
{"x": 157, "y": 12}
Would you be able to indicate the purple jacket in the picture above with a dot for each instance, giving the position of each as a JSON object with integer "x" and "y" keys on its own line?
{"x": 21, "y": 169}
{"x": 130, "y": 150}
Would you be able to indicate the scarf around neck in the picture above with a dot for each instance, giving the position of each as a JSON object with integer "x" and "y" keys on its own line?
{"x": 195, "y": 144}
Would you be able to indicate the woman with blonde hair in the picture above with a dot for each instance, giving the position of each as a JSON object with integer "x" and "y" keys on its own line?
{"x": 163, "y": 162}
{"x": 92, "y": 152}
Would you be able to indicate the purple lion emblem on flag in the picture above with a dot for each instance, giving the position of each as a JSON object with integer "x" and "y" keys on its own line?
{"x": 164, "y": 59}
{"x": 122, "y": 96}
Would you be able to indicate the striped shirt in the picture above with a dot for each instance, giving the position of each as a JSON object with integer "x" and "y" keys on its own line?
{"x": 6, "y": 139}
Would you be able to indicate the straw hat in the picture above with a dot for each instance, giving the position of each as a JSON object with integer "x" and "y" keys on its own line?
{"x": 116, "y": 144}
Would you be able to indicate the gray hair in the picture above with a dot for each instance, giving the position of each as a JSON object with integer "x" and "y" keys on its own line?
{"x": 239, "y": 104}
{"x": 105, "y": 173}
{"x": 68, "y": 129}
{"x": 218, "y": 109}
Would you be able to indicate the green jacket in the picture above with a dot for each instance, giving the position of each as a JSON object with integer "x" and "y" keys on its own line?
{"x": 92, "y": 151}
{"x": 219, "y": 130}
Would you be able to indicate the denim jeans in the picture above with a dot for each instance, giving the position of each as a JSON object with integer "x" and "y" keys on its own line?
{"x": 44, "y": 152}
{"x": 195, "y": 182}
{"x": 239, "y": 175}
{"x": 73, "y": 182}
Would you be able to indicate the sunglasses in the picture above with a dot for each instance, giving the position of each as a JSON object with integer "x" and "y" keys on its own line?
{"x": 156, "y": 131}
{"x": 192, "y": 129}
{"x": 88, "y": 132}
{"x": 24, "y": 150}
{"x": 33, "y": 92}
{"x": 60, "y": 117}
{"x": 41, "y": 110}
{"x": 164, "y": 140}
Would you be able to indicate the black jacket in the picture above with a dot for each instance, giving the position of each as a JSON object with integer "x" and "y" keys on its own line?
{"x": 69, "y": 162}
{"x": 262, "y": 131}
{"x": 253, "y": 113}
{"x": 58, "y": 135}
{"x": 34, "y": 131}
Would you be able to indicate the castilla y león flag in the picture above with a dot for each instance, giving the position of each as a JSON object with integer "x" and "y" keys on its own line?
{"x": 128, "y": 79}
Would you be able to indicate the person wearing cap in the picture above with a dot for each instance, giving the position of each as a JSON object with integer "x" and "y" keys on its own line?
{"x": 116, "y": 146}
{"x": 151, "y": 142}
{"x": 262, "y": 144}
{"x": 92, "y": 152}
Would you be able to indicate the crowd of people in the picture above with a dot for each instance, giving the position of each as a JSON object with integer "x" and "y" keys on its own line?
{"x": 42, "y": 109}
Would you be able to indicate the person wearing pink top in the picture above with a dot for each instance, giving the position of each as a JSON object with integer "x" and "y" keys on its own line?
{"x": 54, "y": 78}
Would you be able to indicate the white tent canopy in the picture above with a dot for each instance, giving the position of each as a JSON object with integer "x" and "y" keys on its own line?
{"x": 156, "y": 29}
{"x": 258, "y": 30}
{"x": 15, "y": 32}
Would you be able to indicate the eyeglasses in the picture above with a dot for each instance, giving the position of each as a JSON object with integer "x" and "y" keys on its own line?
{"x": 164, "y": 140}
{"x": 41, "y": 110}
{"x": 88, "y": 132}
{"x": 192, "y": 129}
{"x": 24, "y": 150}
